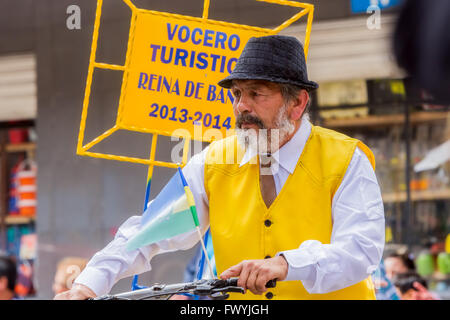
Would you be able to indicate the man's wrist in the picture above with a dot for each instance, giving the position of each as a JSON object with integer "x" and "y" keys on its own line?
{"x": 95, "y": 279}
{"x": 298, "y": 268}
{"x": 83, "y": 288}
{"x": 284, "y": 266}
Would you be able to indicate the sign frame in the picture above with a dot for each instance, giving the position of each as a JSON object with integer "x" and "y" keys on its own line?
{"x": 83, "y": 149}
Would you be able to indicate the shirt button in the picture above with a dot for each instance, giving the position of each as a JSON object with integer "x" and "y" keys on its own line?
{"x": 267, "y": 223}
{"x": 269, "y": 295}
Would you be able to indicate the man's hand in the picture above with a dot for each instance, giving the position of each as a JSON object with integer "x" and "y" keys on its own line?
{"x": 254, "y": 274}
{"x": 422, "y": 293}
{"x": 78, "y": 292}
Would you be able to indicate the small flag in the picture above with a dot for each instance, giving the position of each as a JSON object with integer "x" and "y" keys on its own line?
{"x": 171, "y": 213}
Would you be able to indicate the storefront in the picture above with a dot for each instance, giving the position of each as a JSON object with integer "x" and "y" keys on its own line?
{"x": 362, "y": 93}
{"x": 18, "y": 168}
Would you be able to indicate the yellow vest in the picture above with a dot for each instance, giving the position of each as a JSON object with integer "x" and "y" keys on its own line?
{"x": 301, "y": 211}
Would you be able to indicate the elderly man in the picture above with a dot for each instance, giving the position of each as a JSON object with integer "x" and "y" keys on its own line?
{"x": 284, "y": 199}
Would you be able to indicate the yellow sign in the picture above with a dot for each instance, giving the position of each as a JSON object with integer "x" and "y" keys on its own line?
{"x": 173, "y": 75}
{"x": 172, "y": 67}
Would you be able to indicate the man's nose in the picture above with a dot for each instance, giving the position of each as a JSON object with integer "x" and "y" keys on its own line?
{"x": 243, "y": 105}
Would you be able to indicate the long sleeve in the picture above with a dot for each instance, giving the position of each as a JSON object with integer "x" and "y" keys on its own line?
{"x": 114, "y": 262}
{"x": 357, "y": 239}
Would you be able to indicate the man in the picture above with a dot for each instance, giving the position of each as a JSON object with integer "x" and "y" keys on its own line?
{"x": 396, "y": 263}
{"x": 384, "y": 289}
{"x": 8, "y": 276}
{"x": 411, "y": 286}
{"x": 284, "y": 199}
{"x": 67, "y": 270}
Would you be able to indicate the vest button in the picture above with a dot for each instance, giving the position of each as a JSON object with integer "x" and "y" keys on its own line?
{"x": 267, "y": 223}
{"x": 269, "y": 295}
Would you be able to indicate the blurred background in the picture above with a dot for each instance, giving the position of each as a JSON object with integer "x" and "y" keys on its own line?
{"x": 55, "y": 204}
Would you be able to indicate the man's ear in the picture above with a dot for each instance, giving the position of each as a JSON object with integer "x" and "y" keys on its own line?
{"x": 3, "y": 283}
{"x": 299, "y": 105}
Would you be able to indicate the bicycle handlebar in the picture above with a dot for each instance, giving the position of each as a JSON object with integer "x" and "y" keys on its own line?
{"x": 216, "y": 289}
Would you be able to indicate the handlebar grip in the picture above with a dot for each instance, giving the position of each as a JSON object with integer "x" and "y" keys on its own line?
{"x": 271, "y": 283}
{"x": 233, "y": 282}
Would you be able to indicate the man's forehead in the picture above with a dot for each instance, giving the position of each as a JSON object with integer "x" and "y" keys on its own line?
{"x": 253, "y": 84}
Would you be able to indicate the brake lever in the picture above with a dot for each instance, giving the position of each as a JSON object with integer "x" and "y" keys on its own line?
{"x": 219, "y": 296}
{"x": 229, "y": 289}
{"x": 222, "y": 293}
{"x": 107, "y": 297}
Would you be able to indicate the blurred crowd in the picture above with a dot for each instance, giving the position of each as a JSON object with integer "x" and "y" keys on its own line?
{"x": 67, "y": 270}
{"x": 398, "y": 279}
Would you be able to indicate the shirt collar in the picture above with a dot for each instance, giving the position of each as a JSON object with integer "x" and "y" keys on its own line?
{"x": 287, "y": 156}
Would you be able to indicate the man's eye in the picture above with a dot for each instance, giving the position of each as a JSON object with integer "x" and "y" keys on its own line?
{"x": 255, "y": 94}
{"x": 236, "y": 93}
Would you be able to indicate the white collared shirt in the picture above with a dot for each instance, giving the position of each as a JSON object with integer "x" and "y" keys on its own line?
{"x": 354, "y": 252}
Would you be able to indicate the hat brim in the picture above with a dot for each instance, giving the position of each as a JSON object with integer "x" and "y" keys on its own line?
{"x": 227, "y": 82}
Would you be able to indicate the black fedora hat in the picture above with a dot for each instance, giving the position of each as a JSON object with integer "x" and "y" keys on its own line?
{"x": 272, "y": 58}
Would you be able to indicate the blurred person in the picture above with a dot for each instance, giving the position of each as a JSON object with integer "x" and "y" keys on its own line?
{"x": 396, "y": 263}
{"x": 422, "y": 45}
{"x": 411, "y": 286}
{"x": 24, "y": 281}
{"x": 67, "y": 271}
{"x": 384, "y": 289}
{"x": 8, "y": 277}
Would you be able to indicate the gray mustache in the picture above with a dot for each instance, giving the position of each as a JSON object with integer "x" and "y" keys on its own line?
{"x": 246, "y": 117}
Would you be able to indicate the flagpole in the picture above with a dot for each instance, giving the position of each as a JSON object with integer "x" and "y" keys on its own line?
{"x": 211, "y": 272}
{"x": 134, "y": 284}
{"x": 190, "y": 198}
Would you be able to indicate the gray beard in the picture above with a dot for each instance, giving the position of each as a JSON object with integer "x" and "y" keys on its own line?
{"x": 265, "y": 141}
